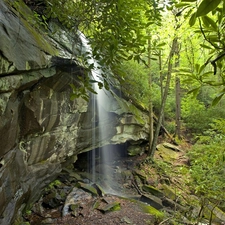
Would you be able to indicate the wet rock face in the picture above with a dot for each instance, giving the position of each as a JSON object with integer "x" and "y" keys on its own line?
{"x": 41, "y": 129}
{"x": 38, "y": 133}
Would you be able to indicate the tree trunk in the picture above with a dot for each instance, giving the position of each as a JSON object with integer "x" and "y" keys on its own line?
{"x": 161, "y": 81}
{"x": 178, "y": 109}
{"x": 151, "y": 119}
{"x": 165, "y": 94}
{"x": 178, "y": 99}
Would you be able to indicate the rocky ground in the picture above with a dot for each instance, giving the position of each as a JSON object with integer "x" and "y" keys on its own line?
{"x": 138, "y": 192}
{"x": 92, "y": 208}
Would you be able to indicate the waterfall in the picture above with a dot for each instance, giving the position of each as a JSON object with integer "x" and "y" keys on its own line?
{"x": 99, "y": 102}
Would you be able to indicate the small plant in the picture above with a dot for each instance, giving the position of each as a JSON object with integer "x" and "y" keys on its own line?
{"x": 54, "y": 184}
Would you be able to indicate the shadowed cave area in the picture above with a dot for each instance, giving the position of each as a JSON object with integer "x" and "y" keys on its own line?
{"x": 106, "y": 166}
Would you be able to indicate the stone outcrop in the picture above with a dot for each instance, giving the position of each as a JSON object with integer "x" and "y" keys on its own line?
{"x": 41, "y": 129}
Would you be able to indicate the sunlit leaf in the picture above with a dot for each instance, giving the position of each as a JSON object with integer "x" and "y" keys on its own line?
{"x": 182, "y": 4}
{"x": 207, "y": 73}
{"x": 192, "y": 20}
{"x": 206, "y": 46}
{"x": 188, "y": 81}
{"x": 161, "y": 44}
{"x": 210, "y": 22}
{"x": 214, "y": 38}
{"x": 207, "y": 6}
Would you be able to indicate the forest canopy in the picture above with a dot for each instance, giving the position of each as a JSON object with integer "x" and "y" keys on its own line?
{"x": 148, "y": 41}
{"x": 120, "y": 30}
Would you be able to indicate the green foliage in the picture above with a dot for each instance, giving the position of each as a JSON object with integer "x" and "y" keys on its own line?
{"x": 115, "y": 33}
{"x": 198, "y": 114}
{"x": 208, "y": 163}
{"x": 134, "y": 80}
{"x": 134, "y": 83}
{"x": 207, "y": 174}
{"x": 194, "y": 114}
{"x": 214, "y": 135}
{"x": 210, "y": 17}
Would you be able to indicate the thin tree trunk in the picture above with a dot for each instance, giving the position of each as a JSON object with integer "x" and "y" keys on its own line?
{"x": 178, "y": 109}
{"x": 151, "y": 119}
{"x": 165, "y": 94}
{"x": 178, "y": 99}
{"x": 161, "y": 81}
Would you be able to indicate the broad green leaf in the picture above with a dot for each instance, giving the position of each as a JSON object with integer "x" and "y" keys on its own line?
{"x": 192, "y": 19}
{"x": 205, "y": 46}
{"x": 205, "y": 22}
{"x": 194, "y": 91}
{"x": 207, "y": 73}
{"x": 214, "y": 38}
{"x": 217, "y": 98}
{"x": 207, "y": 6}
{"x": 212, "y": 83}
{"x": 197, "y": 67}
{"x": 209, "y": 22}
{"x": 187, "y": 70}
{"x": 161, "y": 44}
{"x": 201, "y": 68}
{"x": 180, "y": 5}
{"x": 188, "y": 81}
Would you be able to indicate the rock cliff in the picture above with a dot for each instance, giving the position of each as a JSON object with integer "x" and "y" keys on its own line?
{"x": 41, "y": 129}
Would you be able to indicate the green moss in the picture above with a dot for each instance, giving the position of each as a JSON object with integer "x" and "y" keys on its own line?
{"x": 96, "y": 204}
{"x": 128, "y": 107}
{"x": 138, "y": 114}
{"x": 148, "y": 209}
{"x": 41, "y": 42}
{"x": 21, "y": 223}
{"x": 152, "y": 190}
{"x": 88, "y": 188}
{"x": 151, "y": 210}
{"x": 33, "y": 25}
{"x": 115, "y": 206}
{"x": 168, "y": 192}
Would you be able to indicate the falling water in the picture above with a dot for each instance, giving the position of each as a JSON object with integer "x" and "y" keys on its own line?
{"x": 99, "y": 117}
